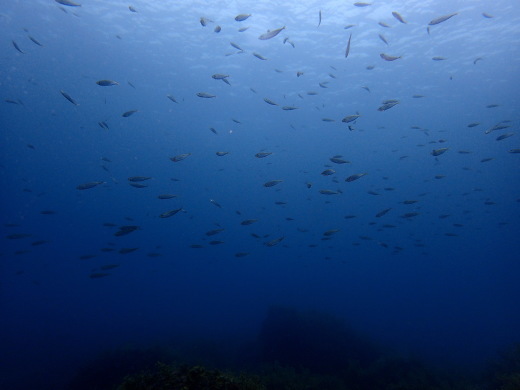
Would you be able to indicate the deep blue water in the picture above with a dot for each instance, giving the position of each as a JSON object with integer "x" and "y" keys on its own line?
{"x": 440, "y": 284}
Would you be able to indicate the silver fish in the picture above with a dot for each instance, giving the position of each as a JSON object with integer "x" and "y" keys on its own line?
{"x": 205, "y": 95}
{"x": 350, "y": 118}
{"x": 269, "y": 101}
{"x": 17, "y": 47}
{"x": 68, "y": 2}
{"x": 35, "y": 41}
{"x": 347, "y": 51}
{"x": 180, "y": 157}
{"x": 271, "y": 34}
{"x": 354, "y": 177}
{"x": 398, "y": 17}
{"x": 128, "y": 113}
{"x": 106, "y": 83}
{"x": 167, "y": 214}
{"x": 441, "y": 19}
{"x": 89, "y": 185}
{"x": 68, "y": 97}
{"x": 260, "y": 57}
{"x": 172, "y": 98}
{"x": 272, "y": 183}
{"x": 387, "y": 57}
{"x": 242, "y": 17}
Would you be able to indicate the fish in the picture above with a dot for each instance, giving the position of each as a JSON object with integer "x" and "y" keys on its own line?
{"x": 269, "y": 101}
{"x": 504, "y": 136}
{"x": 355, "y": 177}
{"x": 236, "y": 46}
{"x": 274, "y": 242}
{"x": 349, "y": 26}
{"x": 438, "y": 152}
{"x": 166, "y": 196}
{"x": 213, "y": 232}
{"x": 18, "y": 236}
{"x": 271, "y": 34}
{"x": 362, "y": 4}
{"x": 383, "y": 24}
{"x": 387, "y": 105}
{"x": 132, "y": 9}
{"x": 215, "y": 203}
{"x": 339, "y": 160}
{"x": 68, "y": 3}
{"x": 328, "y": 172}
{"x": 35, "y": 41}
{"x": 124, "y": 230}
{"x": 128, "y": 113}
{"x": 138, "y": 185}
{"x": 438, "y": 58}
{"x": 90, "y": 184}
{"x": 204, "y": 21}
{"x": 289, "y": 108}
{"x": 205, "y": 95}
{"x": 260, "y": 57}
{"x": 125, "y": 251}
{"x": 329, "y": 192}
{"x": 170, "y": 213}
{"x": 68, "y": 97}
{"x": 513, "y": 151}
{"x": 477, "y": 60}
{"x": 220, "y": 154}
{"x": 347, "y": 51}
{"x": 387, "y": 57}
{"x": 398, "y": 16}
{"x": 172, "y": 98}
{"x": 319, "y": 18}
{"x": 180, "y": 157}
{"x": 328, "y": 120}
{"x": 248, "y": 222}
{"x": 350, "y": 118}
{"x": 241, "y": 254}
{"x": 272, "y": 183}
{"x": 409, "y": 201}
{"x": 473, "y": 124}
{"x": 17, "y": 47}
{"x": 381, "y": 36}
{"x": 139, "y": 178}
{"x": 106, "y": 83}
{"x": 242, "y": 29}
{"x": 331, "y": 232}
{"x": 217, "y": 29}
{"x": 441, "y": 19}
{"x": 242, "y": 17}
{"x": 263, "y": 154}
{"x": 219, "y": 76}
{"x": 486, "y": 15}
{"x": 382, "y": 212}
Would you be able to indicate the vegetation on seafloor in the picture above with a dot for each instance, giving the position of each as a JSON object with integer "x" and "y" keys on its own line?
{"x": 294, "y": 351}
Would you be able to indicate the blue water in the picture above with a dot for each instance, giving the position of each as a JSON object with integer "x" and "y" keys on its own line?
{"x": 441, "y": 285}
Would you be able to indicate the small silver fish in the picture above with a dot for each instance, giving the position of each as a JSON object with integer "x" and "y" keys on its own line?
{"x": 398, "y": 16}
{"x": 271, "y": 34}
{"x": 106, "y": 83}
{"x": 441, "y": 19}
{"x": 347, "y": 51}
{"x": 387, "y": 57}
{"x": 242, "y": 17}
{"x": 68, "y": 97}
{"x": 205, "y": 95}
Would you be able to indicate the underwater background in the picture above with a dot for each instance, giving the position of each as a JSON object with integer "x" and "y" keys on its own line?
{"x": 310, "y": 199}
